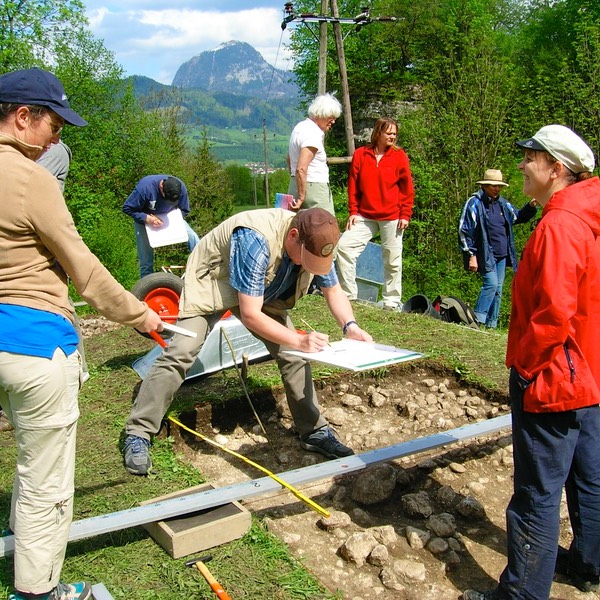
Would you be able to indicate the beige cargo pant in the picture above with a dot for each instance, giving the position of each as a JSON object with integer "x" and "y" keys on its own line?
{"x": 350, "y": 247}
{"x": 39, "y": 397}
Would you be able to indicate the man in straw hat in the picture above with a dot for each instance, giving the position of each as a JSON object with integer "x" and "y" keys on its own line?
{"x": 554, "y": 360}
{"x": 257, "y": 264}
{"x": 486, "y": 238}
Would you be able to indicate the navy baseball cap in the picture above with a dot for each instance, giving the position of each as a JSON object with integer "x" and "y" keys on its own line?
{"x": 39, "y": 88}
{"x": 172, "y": 190}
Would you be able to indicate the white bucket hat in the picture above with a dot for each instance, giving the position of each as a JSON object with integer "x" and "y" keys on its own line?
{"x": 493, "y": 177}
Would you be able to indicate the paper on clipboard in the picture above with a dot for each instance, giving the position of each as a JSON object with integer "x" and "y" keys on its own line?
{"x": 172, "y": 231}
{"x": 358, "y": 356}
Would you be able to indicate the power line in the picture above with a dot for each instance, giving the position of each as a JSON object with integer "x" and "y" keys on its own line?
{"x": 359, "y": 21}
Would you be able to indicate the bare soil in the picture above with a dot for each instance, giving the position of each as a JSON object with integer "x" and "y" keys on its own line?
{"x": 479, "y": 468}
{"x": 373, "y": 411}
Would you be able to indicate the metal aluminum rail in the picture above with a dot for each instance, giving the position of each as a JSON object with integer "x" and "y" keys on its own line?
{"x": 181, "y": 505}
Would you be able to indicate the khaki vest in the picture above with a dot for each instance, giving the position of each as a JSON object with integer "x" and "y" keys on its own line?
{"x": 206, "y": 286}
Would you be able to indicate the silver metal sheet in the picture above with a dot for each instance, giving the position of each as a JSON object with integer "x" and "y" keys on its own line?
{"x": 99, "y": 592}
{"x": 215, "y": 354}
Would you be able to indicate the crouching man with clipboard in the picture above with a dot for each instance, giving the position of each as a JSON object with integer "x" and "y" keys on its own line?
{"x": 158, "y": 205}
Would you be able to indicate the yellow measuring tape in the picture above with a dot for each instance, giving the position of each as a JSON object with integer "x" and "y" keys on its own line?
{"x": 280, "y": 481}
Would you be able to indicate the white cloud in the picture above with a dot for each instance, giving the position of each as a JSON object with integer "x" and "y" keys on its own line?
{"x": 156, "y": 42}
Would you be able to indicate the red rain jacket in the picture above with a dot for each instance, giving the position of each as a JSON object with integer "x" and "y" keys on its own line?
{"x": 554, "y": 333}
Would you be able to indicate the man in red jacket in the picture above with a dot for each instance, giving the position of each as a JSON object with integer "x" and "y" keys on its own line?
{"x": 380, "y": 199}
{"x": 554, "y": 357}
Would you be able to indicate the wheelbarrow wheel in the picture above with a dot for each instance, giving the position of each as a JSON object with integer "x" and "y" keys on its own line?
{"x": 161, "y": 292}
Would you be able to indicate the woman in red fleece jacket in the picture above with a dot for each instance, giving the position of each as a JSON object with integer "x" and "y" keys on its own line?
{"x": 380, "y": 199}
{"x": 553, "y": 353}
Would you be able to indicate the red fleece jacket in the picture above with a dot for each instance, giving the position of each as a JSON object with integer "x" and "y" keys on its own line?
{"x": 384, "y": 191}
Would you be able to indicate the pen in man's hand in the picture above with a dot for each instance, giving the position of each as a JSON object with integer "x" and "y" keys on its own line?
{"x": 312, "y": 329}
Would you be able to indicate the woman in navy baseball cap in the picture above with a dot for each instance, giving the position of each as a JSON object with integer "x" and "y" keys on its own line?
{"x": 40, "y": 366}
{"x": 40, "y": 88}
{"x": 35, "y": 103}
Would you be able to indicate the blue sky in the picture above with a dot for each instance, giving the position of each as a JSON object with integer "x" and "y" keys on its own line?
{"x": 154, "y": 37}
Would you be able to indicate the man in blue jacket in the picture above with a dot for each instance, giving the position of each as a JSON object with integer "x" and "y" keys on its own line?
{"x": 156, "y": 195}
{"x": 487, "y": 241}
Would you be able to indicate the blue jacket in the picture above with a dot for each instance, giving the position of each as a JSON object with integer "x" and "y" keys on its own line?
{"x": 146, "y": 199}
{"x": 473, "y": 231}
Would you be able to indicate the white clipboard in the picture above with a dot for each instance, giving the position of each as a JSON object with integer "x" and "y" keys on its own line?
{"x": 172, "y": 231}
{"x": 358, "y": 356}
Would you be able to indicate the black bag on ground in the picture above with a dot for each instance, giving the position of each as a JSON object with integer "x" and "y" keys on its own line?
{"x": 454, "y": 310}
{"x": 420, "y": 304}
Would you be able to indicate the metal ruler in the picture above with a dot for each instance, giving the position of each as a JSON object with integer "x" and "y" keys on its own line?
{"x": 173, "y": 507}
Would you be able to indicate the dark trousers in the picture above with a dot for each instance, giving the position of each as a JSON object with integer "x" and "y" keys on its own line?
{"x": 551, "y": 451}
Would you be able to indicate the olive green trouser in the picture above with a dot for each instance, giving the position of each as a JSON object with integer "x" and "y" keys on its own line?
{"x": 169, "y": 371}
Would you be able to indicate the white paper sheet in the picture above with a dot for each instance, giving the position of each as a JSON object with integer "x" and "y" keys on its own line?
{"x": 172, "y": 231}
{"x": 358, "y": 356}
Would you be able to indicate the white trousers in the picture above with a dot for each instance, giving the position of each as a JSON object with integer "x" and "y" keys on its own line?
{"x": 353, "y": 241}
{"x": 39, "y": 397}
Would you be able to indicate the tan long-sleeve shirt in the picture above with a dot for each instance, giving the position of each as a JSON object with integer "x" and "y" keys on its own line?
{"x": 39, "y": 245}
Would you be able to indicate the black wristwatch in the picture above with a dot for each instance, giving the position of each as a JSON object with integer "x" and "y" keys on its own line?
{"x": 345, "y": 327}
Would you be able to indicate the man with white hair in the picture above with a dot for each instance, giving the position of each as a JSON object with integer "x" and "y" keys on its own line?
{"x": 307, "y": 161}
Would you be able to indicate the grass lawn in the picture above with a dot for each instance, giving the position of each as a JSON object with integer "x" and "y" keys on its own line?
{"x": 258, "y": 566}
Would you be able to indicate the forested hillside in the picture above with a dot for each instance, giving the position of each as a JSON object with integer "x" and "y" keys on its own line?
{"x": 464, "y": 78}
{"x": 233, "y": 123}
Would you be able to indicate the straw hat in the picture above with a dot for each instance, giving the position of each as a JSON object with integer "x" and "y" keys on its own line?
{"x": 493, "y": 177}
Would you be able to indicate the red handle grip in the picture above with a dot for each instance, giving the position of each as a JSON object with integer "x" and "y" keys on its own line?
{"x": 158, "y": 339}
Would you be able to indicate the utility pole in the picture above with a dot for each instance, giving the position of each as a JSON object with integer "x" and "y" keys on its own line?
{"x": 339, "y": 44}
{"x": 364, "y": 18}
{"x": 323, "y": 51}
{"x": 266, "y": 163}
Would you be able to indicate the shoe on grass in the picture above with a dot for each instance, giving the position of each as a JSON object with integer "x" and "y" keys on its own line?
{"x": 584, "y": 583}
{"x": 136, "y": 455}
{"x": 63, "y": 591}
{"x": 324, "y": 442}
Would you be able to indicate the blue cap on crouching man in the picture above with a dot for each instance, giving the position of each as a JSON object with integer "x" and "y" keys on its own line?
{"x": 38, "y": 88}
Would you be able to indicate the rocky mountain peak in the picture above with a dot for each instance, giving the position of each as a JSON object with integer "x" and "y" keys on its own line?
{"x": 237, "y": 68}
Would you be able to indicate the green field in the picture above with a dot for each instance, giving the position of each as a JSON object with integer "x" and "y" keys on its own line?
{"x": 243, "y": 146}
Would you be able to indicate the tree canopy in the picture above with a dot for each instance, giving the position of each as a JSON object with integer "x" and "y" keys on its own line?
{"x": 125, "y": 139}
